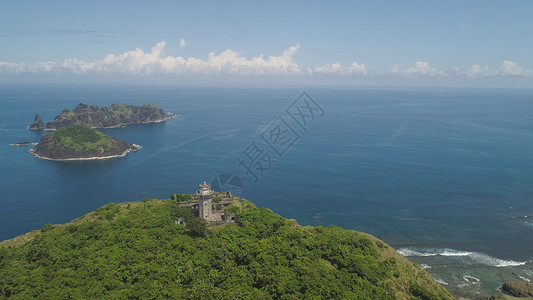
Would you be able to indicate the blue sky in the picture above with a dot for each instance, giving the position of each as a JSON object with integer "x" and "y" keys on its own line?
{"x": 466, "y": 43}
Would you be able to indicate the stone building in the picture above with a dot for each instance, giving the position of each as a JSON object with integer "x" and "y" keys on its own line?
{"x": 211, "y": 206}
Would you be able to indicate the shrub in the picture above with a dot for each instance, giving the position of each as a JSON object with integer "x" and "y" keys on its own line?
{"x": 381, "y": 245}
{"x": 181, "y": 197}
{"x": 47, "y": 227}
{"x": 108, "y": 212}
{"x": 197, "y": 226}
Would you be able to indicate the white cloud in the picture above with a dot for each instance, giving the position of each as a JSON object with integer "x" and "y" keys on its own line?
{"x": 507, "y": 68}
{"x": 395, "y": 69}
{"x": 511, "y": 68}
{"x": 9, "y": 67}
{"x": 328, "y": 68}
{"x": 420, "y": 68}
{"x": 139, "y": 63}
{"x": 478, "y": 71}
{"x": 338, "y": 69}
{"x": 183, "y": 43}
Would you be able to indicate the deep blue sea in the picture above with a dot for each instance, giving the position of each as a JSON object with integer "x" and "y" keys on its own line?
{"x": 443, "y": 175}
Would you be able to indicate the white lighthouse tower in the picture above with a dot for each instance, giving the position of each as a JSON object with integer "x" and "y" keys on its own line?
{"x": 205, "y": 196}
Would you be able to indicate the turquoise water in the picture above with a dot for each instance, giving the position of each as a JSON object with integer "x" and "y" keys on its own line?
{"x": 444, "y": 175}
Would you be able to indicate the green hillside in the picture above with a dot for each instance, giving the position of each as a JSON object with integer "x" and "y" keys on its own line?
{"x": 122, "y": 110}
{"x": 136, "y": 250}
{"x": 81, "y": 138}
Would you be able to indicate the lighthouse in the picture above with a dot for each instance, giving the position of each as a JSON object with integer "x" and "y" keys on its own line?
{"x": 205, "y": 197}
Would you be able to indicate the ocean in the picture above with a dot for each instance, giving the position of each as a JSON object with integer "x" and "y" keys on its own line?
{"x": 443, "y": 175}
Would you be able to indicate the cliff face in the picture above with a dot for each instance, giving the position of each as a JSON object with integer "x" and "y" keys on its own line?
{"x": 38, "y": 124}
{"x": 107, "y": 117}
{"x": 79, "y": 142}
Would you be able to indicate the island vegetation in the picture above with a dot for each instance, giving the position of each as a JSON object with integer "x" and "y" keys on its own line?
{"x": 138, "y": 250}
{"x": 80, "y": 142}
{"x": 93, "y": 116}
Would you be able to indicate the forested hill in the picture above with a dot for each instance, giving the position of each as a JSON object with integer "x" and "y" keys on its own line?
{"x": 103, "y": 117}
{"x": 136, "y": 250}
{"x": 80, "y": 142}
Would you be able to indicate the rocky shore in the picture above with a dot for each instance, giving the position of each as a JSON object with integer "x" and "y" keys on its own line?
{"x": 134, "y": 147}
{"x": 518, "y": 288}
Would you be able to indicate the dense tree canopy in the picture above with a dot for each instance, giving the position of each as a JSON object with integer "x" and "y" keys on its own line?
{"x": 197, "y": 226}
{"x": 81, "y": 138}
{"x": 136, "y": 250}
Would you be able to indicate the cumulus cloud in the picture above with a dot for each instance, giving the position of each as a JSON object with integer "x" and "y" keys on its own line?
{"x": 183, "y": 43}
{"x": 511, "y": 68}
{"x": 229, "y": 62}
{"x": 423, "y": 68}
{"x": 507, "y": 68}
{"x": 477, "y": 71}
{"x": 139, "y": 63}
{"x": 9, "y": 67}
{"x": 338, "y": 69}
{"x": 420, "y": 68}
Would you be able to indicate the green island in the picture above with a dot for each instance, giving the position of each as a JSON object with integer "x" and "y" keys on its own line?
{"x": 138, "y": 250}
{"x": 119, "y": 111}
{"x": 81, "y": 138}
{"x": 76, "y": 142}
{"x": 116, "y": 115}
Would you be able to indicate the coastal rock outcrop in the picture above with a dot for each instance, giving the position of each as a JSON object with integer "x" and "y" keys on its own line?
{"x": 115, "y": 115}
{"x": 76, "y": 142}
{"x": 518, "y": 288}
{"x": 38, "y": 124}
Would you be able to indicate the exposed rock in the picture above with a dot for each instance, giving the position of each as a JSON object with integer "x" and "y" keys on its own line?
{"x": 76, "y": 142}
{"x": 115, "y": 115}
{"x": 38, "y": 124}
{"x": 518, "y": 288}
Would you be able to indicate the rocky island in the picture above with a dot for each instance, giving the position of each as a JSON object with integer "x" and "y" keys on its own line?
{"x": 94, "y": 116}
{"x": 76, "y": 142}
{"x": 38, "y": 124}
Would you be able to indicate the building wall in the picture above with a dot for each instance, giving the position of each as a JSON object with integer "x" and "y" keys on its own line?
{"x": 214, "y": 213}
{"x": 205, "y": 208}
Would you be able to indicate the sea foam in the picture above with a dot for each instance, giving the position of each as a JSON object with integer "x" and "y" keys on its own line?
{"x": 473, "y": 257}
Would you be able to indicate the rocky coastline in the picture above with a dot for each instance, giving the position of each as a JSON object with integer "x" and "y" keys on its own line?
{"x": 134, "y": 147}
{"x": 518, "y": 288}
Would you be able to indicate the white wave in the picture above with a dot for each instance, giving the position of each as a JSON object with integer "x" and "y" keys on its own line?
{"x": 474, "y": 257}
{"x": 493, "y": 261}
{"x": 411, "y": 252}
{"x": 441, "y": 281}
{"x": 471, "y": 279}
{"x": 451, "y": 252}
{"x": 424, "y": 266}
